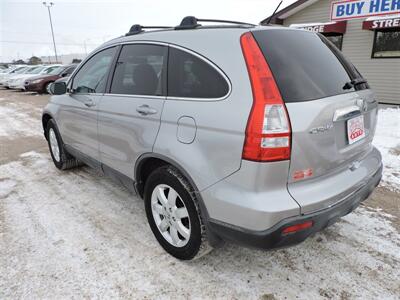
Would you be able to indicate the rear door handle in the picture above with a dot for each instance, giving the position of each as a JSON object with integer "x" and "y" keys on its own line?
{"x": 146, "y": 110}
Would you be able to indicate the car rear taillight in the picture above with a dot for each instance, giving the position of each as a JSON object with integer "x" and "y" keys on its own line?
{"x": 268, "y": 132}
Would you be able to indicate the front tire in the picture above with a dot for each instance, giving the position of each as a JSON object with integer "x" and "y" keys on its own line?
{"x": 61, "y": 158}
{"x": 46, "y": 89}
{"x": 173, "y": 214}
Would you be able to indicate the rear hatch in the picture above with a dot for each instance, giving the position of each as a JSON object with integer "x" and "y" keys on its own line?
{"x": 332, "y": 113}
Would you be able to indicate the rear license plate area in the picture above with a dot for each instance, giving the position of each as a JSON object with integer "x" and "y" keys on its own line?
{"x": 355, "y": 129}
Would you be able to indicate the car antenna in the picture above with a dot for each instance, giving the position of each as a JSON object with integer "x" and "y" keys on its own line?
{"x": 276, "y": 9}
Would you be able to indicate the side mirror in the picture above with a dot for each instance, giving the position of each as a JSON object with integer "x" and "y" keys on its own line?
{"x": 64, "y": 74}
{"x": 58, "y": 88}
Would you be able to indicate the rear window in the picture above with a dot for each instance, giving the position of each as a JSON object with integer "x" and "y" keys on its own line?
{"x": 304, "y": 64}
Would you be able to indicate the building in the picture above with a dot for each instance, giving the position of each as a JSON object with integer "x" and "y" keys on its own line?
{"x": 372, "y": 43}
{"x": 63, "y": 58}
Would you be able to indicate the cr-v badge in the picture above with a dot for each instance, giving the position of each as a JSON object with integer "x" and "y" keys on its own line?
{"x": 321, "y": 129}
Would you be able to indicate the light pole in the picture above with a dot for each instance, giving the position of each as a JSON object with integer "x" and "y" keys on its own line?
{"x": 48, "y": 5}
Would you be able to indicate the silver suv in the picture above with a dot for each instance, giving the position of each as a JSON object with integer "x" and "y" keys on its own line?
{"x": 259, "y": 135}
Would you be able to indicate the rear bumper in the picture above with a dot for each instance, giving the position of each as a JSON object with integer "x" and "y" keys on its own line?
{"x": 273, "y": 237}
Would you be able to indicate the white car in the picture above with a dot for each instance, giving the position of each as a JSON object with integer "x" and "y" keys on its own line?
{"x": 9, "y": 79}
{"x": 11, "y": 72}
{"x": 18, "y": 82}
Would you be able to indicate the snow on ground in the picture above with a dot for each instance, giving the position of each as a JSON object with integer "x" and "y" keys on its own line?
{"x": 387, "y": 140}
{"x": 77, "y": 234}
{"x": 16, "y": 122}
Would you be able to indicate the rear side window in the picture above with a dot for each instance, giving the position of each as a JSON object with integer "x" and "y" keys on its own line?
{"x": 140, "y": 70}
{"x": 304, "y": 64}
{"x": 192, "y": 77}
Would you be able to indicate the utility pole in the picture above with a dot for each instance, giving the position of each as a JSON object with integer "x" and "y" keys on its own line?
{"x": 84, "y": 45}
{"x": 48, "y": 5}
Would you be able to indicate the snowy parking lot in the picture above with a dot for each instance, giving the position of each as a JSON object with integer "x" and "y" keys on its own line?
{"x": 77, "y": 234}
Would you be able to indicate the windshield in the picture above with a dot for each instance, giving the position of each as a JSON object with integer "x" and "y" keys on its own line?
{"x": 56, "y": 70}
{"x": 49, "y": 70}
{"x": 36, "y": 70}
{"x": 29, "y": 70}
{"x": 304, "y": 64}
{"x": 20, "y": 70}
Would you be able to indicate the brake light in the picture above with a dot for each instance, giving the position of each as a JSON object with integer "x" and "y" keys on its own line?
{"x": 268, "y": 133}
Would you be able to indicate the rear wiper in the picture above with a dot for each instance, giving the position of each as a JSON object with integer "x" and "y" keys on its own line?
{"x": 349, "y": 85}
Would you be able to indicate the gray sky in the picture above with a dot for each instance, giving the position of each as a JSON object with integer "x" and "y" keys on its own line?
{"x": 25, "y": 30}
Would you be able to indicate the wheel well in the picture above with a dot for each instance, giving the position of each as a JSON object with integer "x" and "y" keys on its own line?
{"x": 144, "y": 169}
{"x": 47, "y": 83}
{"x": 45, "y": 119}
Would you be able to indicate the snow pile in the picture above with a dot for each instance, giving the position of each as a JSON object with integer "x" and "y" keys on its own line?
{"x": 6, "y": 187}
{"x": 387, "y": 140}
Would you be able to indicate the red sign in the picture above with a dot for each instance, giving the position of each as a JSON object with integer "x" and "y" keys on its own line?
{"x": 381, "y": 23}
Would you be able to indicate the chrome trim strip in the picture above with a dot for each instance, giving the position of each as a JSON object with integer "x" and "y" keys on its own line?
{"x": 136, "y": 96}
{"x": 346, "y": 112}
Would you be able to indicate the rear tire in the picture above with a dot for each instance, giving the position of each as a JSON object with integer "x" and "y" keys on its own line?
{"x": 174, "y": 215}
{"x": 61, "y": 158}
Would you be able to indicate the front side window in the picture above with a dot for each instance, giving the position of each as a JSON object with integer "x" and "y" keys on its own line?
{"x": 192, "y": 77}
{"x": 92, "y": 77}
{"x": 335, "y": 38}
{"x": 140, "y": 70}
{"x": 386, "y": 44}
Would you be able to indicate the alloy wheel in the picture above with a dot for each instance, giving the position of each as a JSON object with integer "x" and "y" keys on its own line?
{"x": 55, "y": 150}
{"x": 170, "y": 215}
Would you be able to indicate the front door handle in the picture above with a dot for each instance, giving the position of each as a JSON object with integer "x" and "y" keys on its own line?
{"x": 146, "y": 110}
{"x": 89, "y": 103}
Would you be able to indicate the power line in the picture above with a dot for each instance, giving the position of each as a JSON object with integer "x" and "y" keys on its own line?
{"x": 48, "y": 43}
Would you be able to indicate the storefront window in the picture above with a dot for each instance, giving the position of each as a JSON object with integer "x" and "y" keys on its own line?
{"x": 335, "y": 38}
{"x": 386, "y": 44}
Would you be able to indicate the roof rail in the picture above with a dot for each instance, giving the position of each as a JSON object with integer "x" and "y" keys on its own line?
{"x": 135, "y": 29}
{"x": 191, "y": 22}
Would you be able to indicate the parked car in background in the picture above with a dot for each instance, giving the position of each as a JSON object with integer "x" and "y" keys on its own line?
{"x": 27, "y": 70}
{"x": 41, "y": 83}
{"x": 13, "y": 71}
{"x": 18, "y": 82}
